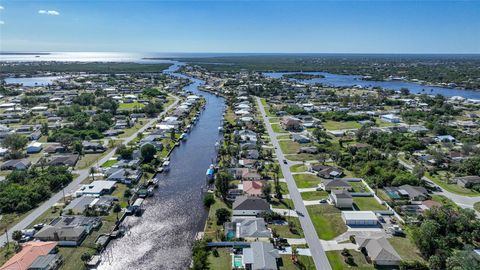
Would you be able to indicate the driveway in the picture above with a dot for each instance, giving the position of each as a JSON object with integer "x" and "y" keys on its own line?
{"x": 316, "y": 248}
{"x": 74, "y": 185}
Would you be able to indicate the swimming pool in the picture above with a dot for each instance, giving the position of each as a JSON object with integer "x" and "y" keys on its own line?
{"x": 237, "y": 261}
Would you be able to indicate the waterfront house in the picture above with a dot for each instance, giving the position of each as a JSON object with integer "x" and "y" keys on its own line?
{"x": 252, "y": 188}
{"x": 249, "y": 206}
{"x": 123, "y": 175}
{"x": 260, "y": 256}
{"x": 28, "y": 255}
{"x": 96, "y": 188}
{"x": 249, "y": 228}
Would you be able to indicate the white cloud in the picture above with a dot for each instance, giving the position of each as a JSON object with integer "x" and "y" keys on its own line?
{"x": 2, "y": 22}
{"x": 48, "y": 12}
{"x": 2, "y": 8}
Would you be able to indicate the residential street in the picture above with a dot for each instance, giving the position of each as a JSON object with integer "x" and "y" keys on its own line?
{"x": 82, "y": 175}
{"x": 460, "y": 200}
{"x": 317, "y": 251}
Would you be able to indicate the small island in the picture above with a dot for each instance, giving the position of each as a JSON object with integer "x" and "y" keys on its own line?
{"x": 302, "y": 76}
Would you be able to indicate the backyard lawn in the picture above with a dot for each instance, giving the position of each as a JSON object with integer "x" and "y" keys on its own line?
{"x": 306, "y": 180}
{"x": 338, "y": 263}
{"x": 335, "y": 125}
{"x": 327, "y": 220}
{"x": 314, "y": 195}
{"x": 211, "y": 226}
{"x": 368, "y": 204}
{"x": 223, "y": 261}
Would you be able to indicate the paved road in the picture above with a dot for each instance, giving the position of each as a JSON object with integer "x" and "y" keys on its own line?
{"x": 74, "y": 185}
{"x": 318, "y": 253}
{"x": 460, "y": 200}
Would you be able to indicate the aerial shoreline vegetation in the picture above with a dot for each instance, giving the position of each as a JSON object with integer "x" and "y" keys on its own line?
{"x": 457, "y": 70}
{"x": 95, "y": 67}
{"x": 303, "y": 76}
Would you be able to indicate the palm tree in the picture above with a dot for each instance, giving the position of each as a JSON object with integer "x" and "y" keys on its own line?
{"x": 92, "y": 173}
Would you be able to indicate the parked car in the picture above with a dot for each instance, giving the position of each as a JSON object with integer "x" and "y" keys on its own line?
{"x": 285, "y": 161}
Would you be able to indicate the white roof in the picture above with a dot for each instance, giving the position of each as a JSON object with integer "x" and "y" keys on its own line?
{"x": 6, "y": 105}
{"x": 39, "y": 108}
{"x": 34, "y": 144}
{"x": 96, "y": 187}
{"x": 359, "y": 215}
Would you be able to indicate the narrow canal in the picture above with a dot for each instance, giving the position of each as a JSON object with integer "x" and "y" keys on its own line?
{"x": 162, "y": 237}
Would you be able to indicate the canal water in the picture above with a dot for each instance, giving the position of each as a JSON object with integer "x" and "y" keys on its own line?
{"x": 162, "y": 237}
{"x": 339, "y": 80}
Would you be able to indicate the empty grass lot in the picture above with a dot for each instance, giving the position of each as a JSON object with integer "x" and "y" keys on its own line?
{"x": 368, "y": 204}
{"x": 298, "y": 168}
{"x": 278, "y": 129}
{"x": 305, "y": 262}
{"x": 314, "y": 195}
{"x": 289, "y": 147}
{"x": 337, "y": 261}
{"x": 282, "y": 204}
{"x": 327, "y": 220}
{"x": 109, "y": 163}
{"x": 306, "y": 180}
{"x": 405, "y": 248}
{"x": 131, "y": 106}
{"x": 211, "y": 226}
{"x": 301, "y": 157}
{"x": 334, "y": 125}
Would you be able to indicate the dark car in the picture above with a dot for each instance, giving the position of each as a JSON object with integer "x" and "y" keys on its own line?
{"x": 285, "y": 161}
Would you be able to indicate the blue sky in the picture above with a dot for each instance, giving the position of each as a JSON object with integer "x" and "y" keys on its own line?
{"x": 241, "y": 26}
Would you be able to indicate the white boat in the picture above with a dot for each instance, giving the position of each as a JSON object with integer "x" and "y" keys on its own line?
{"x": 166, "y": 166}
{"x": 220, "y": 129}
{"x": 183, "y": 137}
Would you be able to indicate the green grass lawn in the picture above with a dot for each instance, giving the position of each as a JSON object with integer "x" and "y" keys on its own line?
{"x": 443, "y": 200}
{"x": 298, "y": 168}
{"x": 289, "y": 147}
{"x": 211, "y": 226}
{"x": 305, "y": 263}
{"x": 454, "y": 188}
{"x": 131, "y": 130}
{"x": 476, "y": 206}
{"x": 301, "y": 157}
{"x": 267, "y": 108}
{"x": 405, "y": 248}
{"x": 358, "y": 187}
{"x": 381, "y": 123}
{"x": 6, "y": 252}
{"x": 284, "y": 188}
{"x": 284, "y": 230}
{"x": 335, "y": 125}
{"x": 274, "y": 119}
{"x": 109, "y": 163}
{"x": 283, "y": 204}
{"x": 278, "y": 129}
{"x": 223, "y": 261}
{"x": 337, "y": 261}
{"x": 368, "y": 204}
{"x": 130, "y": 106}
{"x": 283, "y": 137}
{"x": 306, "y": 180}
{"x": 314, "y": 195}
{"x": 327, "y": 221}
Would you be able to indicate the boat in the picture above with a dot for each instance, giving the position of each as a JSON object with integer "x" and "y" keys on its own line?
{"x": 183, "y": 137}
{"x": 166, "y": 166}
{"x": 220, "y": 129}
{"x": 150, "y": 191}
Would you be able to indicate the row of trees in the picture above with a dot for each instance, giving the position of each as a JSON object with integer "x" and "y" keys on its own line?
{"x": 23, "y": 190}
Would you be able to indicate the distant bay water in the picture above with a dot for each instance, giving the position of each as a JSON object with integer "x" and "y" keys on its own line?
{"x": 336, "y": 80}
